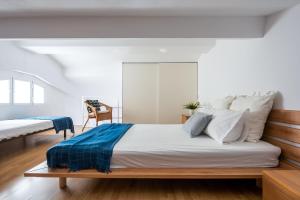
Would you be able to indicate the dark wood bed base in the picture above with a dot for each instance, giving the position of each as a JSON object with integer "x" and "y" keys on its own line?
{"x": 287, "y": 138}
{"x": 36, "y": 132}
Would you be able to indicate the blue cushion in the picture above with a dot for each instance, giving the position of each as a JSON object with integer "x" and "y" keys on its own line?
{"x": 94, "y": 103}
{"x": 196, "y": 124}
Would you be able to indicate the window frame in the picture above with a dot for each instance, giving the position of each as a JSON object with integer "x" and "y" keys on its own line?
{"x": 9, "y": 90}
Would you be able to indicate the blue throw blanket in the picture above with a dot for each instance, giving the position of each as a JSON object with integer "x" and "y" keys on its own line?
{"x": 92, "y": 149}
{"x": 59, "y": 122}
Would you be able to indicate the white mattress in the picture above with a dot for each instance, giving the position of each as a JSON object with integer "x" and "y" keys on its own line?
{"x": 168, "y": 146}
{"x": 15, "y": 128}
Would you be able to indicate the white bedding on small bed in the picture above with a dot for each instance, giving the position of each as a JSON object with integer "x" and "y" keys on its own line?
{"x": 168, "y": 146}
{"x": 15, "y": 128}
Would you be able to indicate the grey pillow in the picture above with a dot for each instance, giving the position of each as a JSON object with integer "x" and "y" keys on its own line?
{"x": 196, "y": 123}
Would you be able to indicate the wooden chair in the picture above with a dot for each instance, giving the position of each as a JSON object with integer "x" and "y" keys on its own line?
{"x": 94, "y": 111}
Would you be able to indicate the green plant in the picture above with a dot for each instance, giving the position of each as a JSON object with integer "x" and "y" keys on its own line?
{"x": 192, "y": 105}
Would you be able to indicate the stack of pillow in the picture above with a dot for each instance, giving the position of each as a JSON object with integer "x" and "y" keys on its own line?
{"x": 232, "y": 119}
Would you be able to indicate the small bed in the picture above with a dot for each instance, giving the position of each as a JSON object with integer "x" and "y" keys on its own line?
{"x": 14, "y": 128}
{"x": 21, "y": 127}
{"x": 165, "y": 152}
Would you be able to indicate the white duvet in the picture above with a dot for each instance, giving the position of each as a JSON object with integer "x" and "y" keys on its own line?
{"x": 168, "y": 146}
{"x": 15, "y": 128}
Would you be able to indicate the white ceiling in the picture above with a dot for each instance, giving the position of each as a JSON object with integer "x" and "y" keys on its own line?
{"x": 142, "y": 7}
{"x": 92, "y": 57}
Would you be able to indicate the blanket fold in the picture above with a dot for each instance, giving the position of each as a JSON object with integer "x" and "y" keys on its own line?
{"x": 92, "y": 149}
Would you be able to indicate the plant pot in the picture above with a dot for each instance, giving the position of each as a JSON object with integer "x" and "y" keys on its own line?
{"x": 191, "y": 112}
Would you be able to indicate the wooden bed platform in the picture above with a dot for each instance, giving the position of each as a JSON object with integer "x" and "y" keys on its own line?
{"x": 42, "y": 170}
{"x": 287, "y": 138}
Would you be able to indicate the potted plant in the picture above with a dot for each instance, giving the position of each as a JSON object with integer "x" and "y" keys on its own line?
{"x": 192, "y": 106}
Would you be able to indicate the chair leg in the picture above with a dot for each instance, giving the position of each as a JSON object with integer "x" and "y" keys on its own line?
{"x": 85, "y": 124}
{"x": 96, "y": 122}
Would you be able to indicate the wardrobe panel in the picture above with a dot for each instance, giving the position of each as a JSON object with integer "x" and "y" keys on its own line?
{"x": 156, "y": 92}
{"x": 177, "y": 86}
{"x": 140, "y": 83}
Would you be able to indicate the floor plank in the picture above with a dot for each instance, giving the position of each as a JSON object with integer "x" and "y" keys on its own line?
{"x": 19, "y": 159}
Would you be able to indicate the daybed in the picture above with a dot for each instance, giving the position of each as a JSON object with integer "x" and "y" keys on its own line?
{"x": 20, "y": 127}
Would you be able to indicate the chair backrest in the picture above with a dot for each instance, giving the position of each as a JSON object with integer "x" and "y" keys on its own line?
{"x": 94, "y": 103}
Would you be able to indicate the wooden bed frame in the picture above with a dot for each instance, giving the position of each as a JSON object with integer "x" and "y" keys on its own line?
{"x": 276, "y": 132}
{"x": 35, "y": 132}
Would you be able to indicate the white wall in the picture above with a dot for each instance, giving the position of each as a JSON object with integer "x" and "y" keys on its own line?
{"x": 105, "y": 86}
{"x": 13, "y": 57}
{"x": 57, "y": 87}
{"x": 51, "y": 106}
{"x": 231, "y": 67}
{"x": 244, "y": 66}
{"x": 63, "y": 95}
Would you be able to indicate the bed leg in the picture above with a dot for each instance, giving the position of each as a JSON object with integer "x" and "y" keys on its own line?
{"x": 259, "y": 182}
{"x": 62, "y": 182}
{"x": 65, "y": 134}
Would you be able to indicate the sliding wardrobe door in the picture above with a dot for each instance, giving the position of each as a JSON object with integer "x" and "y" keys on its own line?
{"x": 140, "y": 82}
{"x": 177, "y": 86}
{"x": 156, "y": 93}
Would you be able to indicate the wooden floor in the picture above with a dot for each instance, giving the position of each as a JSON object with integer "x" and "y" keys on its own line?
{"x": 18, "y": 156}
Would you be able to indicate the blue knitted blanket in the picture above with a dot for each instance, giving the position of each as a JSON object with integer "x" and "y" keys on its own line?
{"x": 92, "y": 149}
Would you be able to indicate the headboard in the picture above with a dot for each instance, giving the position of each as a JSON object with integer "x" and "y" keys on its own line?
{"x": 283, "y": 130}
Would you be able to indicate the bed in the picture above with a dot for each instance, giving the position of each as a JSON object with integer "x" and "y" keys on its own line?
{"x": 169, "y": 146}
{"x": 170, "y": 159}
{"x": 14, "y": 128}
{"x": 20, "y": 127}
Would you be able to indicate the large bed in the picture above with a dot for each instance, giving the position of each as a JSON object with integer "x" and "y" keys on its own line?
{"x": 169, "y": 146}
{"x": 165, "y": 151}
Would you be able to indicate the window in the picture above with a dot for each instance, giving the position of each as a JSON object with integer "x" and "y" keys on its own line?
{"x": 22, "y": 91}
{"x": 4, "y": 91}
{"x": 38, "y": 94}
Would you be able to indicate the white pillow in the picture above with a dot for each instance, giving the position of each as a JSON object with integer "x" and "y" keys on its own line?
{"x": 259, "y": 109}
{"x": 226, "y": 126}
{"x": 223, "y": 103}
{"x": 219, "y": 104}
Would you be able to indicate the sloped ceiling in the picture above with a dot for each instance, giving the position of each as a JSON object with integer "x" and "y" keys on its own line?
{"x": 96, "y": 57}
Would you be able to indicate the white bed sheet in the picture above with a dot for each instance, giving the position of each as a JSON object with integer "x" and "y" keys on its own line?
{"x": 168, "y": 146}
{"x": 15, "y": 128}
